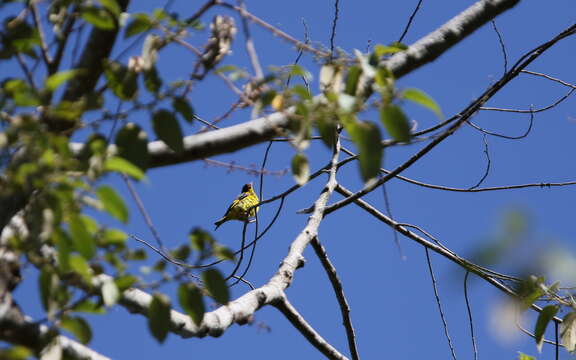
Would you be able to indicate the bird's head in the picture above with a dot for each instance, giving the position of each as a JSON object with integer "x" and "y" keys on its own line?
{"x": 247, "y": 187}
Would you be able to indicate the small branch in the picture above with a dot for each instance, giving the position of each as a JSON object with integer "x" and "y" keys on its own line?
{"x": 281, "y": 34}
{"x": 486, "y": 132}
{"x": 410, "y": 21}
{"x": 502, "y": 46}
{"x": 334, "y": 23}
{"x": 339, "y": 292}
{"x": 284, "y": 306}
{"x": 488, "y": 164}
{"x": 469, "y": 311}
{"x": 250, "y": 48}
{"x": 531, "y": 111}
{"x": 439, "y": 303}
{"x": 38, "y": 24}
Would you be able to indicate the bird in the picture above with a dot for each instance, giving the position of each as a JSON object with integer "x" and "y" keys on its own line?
{"x": 238, "y": 210}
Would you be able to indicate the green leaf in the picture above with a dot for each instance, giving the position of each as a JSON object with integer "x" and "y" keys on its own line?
{"x": 152, "y": 80}
{"x": 125, "y": 282}
{"x": 352, "y": 80}
{"x": 81, "y": 238}
{"x": 132, "y": 144}
{"x": 395, "y": 122}
{"x": 140, "y": 23}
{"x": 300, "y": 169}
{"x": 168, "y": 130}
{"x": 183, "y": 107}
{"x": 64, "y": 247}
{"x": 110, "y": 292}
{"x": 122, "y": 82}
{"x": 159, "y": 316}
{"x": 327, "y": 126}
{"x": 22, "y": 94}
{"x": 98, "y": 17}
{"x": 568, "y": 331}
{"x": 366, "y": 136}
{"x": 421, "y": 98}
{"x": 80, "y": 266}
{"x": 216, "y": 285}
{"x": 200, "y": 239}
{"x": 113, "y": 203}
{"x": 191, "y": 300}
{"x": 89, "y": 307}
{"x": 78, "y": 327}
{"x": 54, "y": 81}
{"x": 46, "y": 284}
{"x": 223, "y": 253}
{"x": 114, "y": 237}
{"x": 112, "y": 6}
{"x": 381, "y": 50}
{"x": 123, "y": 166}
{"x": 544, "y": 318}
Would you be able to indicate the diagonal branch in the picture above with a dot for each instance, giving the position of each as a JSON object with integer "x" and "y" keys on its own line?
{"x": 339, "y": 291}
{"x": 290, "y": 312}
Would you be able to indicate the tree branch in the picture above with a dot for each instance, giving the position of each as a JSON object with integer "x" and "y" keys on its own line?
{"x": 290, "y": 312}
{"x": 253, "y": 132}
{"x": 339, "y": 291}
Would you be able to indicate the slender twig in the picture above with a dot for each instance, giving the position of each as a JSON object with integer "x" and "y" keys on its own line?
{"x": 250, "y": 47}
{"x": 407, "y": 27}
{"x": 549, "y": 78}
{"x": 530, "y": 111}
{"x": 388, "y": 208}
{"x": 488, "y": 164}
{"x": 299, "y": 322}
{"x": 66, "y": 32}
{"x": 447, "y": 188}
{"x": 38, "y": 24}
{"x": 239, "y": 262}
{"x": 469, "y": 311}
{"x": 340, "y": 296}
{"x": 439, "y": 303}
{"x": 281, "y": 34}
{"x": 486, "y": 132}
{"x": 201, "y": 11}
{"x": 26, "y": 70}
{"x": 502, "y": 46}
{"x": 333, "y": 30}
{"x": 143, "y": 212}
{"x": 557, "y": 345}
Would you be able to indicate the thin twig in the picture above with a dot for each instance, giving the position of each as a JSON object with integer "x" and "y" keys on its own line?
{"x": 502, "y": 46}
{"x": 143, "y": 212}
{"x": 488, "y": 164}
{"x": 531, "y": 111}
{"x": 340, "y": 296}
{"x": 299, "y": 322}
{"x": 281, "y": 34}
{"x": 38, "y": 24}
{"x": 250, "y": 47}
{"x": 407, "y": 27}
{"x": 486, "y": 132}
{"x": 333, "y": 31}
{"x": 469, "y": 311}
{"x": 439, "y": 303}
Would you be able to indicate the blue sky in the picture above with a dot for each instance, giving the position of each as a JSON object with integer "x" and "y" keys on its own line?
{"x": 391, "y": 299}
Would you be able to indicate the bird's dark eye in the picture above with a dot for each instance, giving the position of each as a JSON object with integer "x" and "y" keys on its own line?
{"x": 246, "y": 188}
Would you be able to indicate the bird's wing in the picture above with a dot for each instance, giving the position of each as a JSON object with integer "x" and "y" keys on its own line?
{"x": 235, "y": 202}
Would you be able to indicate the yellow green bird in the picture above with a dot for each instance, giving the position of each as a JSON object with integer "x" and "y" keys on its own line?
{"x": 238, "y": 210}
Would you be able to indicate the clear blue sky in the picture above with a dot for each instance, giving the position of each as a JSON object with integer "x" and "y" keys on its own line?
{"x": 392, "y": 301}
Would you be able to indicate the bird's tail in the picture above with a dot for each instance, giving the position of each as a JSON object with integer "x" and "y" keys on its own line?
{"x": 218, "y": 223}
